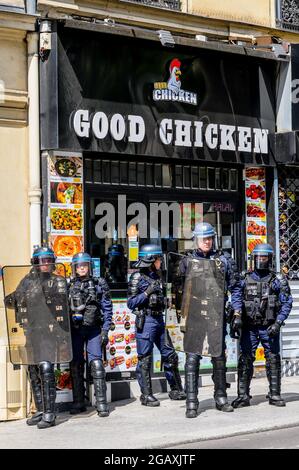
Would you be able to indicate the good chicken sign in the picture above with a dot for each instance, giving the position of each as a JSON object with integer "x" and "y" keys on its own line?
{"x": 171, "y": 90}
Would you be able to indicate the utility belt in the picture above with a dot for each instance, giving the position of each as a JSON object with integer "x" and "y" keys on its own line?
{"x": 153, "y": 313}
{"x": 257, "y": 317}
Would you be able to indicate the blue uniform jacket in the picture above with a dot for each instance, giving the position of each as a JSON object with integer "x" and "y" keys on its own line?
{"x": 281, "y": 288}
{"x": 231, "y": 275}
{"x": 137, "y": 285}
{"x": 103, "y": 298}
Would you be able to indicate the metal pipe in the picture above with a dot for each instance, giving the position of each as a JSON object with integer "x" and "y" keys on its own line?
{"x": 34, "y": 191}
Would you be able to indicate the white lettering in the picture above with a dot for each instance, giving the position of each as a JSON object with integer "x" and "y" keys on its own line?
{"x": 211, "y": 136}
{"x": 100, "y": 125}
{"x": 81, "y": 123}
{"x": 183, "y": 133}
{"x": 244, "y": 139}
{"x": 260, "y": 140}
{"x": 226, "y": 137}
{"x": 117, "y": 127}
{"x": 136, "y": 128}
{"x": 165, "y": 131}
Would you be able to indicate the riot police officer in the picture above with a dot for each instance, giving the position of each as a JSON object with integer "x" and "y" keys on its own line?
{"x": 146, "y": 298}
{"x": 267, "y": 304}
{"x": 39, "y": 287}
{"x": 204, "y": 240}
{"x": 91, "y": 314}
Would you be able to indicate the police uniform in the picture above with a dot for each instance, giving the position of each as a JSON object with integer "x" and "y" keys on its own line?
{"x": 41, "y": 331}
{"x": 91, "y": 314}
{"x": 266, "y": 305}
{"x": 150, "y": 327}
{"x": 219, "y": 363}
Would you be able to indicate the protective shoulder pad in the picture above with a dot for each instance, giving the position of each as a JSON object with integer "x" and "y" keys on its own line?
{"x": 133, "y": 284}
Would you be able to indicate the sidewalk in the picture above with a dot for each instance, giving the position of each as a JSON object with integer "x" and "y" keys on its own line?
{"x": 132, "y": 426}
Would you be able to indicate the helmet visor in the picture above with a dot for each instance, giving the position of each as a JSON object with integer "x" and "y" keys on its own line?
{"x": 263, "y": 261}
{"x": 81, "y": 269}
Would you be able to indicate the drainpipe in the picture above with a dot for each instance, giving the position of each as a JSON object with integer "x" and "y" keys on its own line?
{"x": 31, "y": 7}
{"x": 34, "y": 192}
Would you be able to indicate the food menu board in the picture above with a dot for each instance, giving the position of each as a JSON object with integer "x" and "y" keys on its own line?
{"x": 65, "y": 207}
{"x": 121, "y": 349}
{"x": 256, "y": 217}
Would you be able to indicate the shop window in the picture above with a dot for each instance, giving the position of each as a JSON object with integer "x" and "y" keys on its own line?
{"x": 203, "y": 178}
{"x": 132, "y": 174}
{"x": 115, "y": 172}
{"x": 123, "y": 170}
{"x": 166, "y": 176}
{"x": 233, "y": 180}
{"x": 178, "y": 176}
{"x": 149, "y": 174}
{"x": 211, "y": 178}
{"x": 195, "y": 177}
{"x": 225, "y": 179}
{"x": 140, "y": 174}
{"x": 187, "y": 177}
{"x": 88, "y": 171}
{"x": 106, "y": 172}
{"x": 158, "y": 176}
{"x": 217, "y": 179}
{"x": 97, "y": 171}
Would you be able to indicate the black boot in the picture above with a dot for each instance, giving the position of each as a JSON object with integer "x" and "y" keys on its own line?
{"x": 177, "y": 392}
{"x": 48, "y": 394}
{"x": 77, "y": 374}
{"x": 147, "y": 398}
{"x": 219, "y": 379}
{"x": 245, "y": 372}
{"x": 191, "y": 384}
{"x": 273, "y": 368}
{"x": 100, "y": 388}
{"x": 37, "y": 395}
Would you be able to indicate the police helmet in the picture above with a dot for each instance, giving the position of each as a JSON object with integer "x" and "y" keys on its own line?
{"x": 43, "y": 255}
{"x": 203, "y": 230}
{"x": 81, "y": 259}
{"x": 147, "y": 255}
{"x": 116, "y": 250}
{"x": 262, "y": 256}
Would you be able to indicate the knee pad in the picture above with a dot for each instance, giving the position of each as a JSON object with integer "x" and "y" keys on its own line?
{"x": 97, "y": 368}
{"x": 219, "y": 362}
{"x": 145, "y": 361}
{"x": 192, "y": 362}
{"x": 46, "y": 367}
{"x": 245, "y": 361}
{"x": 173, "y": 359}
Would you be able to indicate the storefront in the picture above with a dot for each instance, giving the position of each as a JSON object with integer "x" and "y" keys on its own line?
{"x": 131, "y": 132}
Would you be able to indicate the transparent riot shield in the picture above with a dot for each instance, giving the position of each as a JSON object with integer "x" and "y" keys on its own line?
{"x": 174, "y": 286}
{"x": 202, "y": 308}
{"x": 36, "y": 305}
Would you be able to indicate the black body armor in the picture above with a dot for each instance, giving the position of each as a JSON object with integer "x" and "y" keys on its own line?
{"x": 260, "y": 302}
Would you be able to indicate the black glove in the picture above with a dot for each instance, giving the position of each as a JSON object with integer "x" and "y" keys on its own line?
{"x": 273, "y": 330}
{"x": 236, "y": 326}
{"x": 151, "y": 288}
{"x": 104, "y": 338}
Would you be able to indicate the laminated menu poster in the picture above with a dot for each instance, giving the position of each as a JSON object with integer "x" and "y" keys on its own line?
{"x": 121, "y": 349}
{"x": 65, "y": 207}
{"x": 256, "y": 217}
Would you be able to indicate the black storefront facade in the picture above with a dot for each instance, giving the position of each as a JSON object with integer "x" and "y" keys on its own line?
{"x": 113, "y": 101}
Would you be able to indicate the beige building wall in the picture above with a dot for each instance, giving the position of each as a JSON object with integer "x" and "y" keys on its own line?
{"x": 14, "y": 204}
{"x": 256, "y": 12}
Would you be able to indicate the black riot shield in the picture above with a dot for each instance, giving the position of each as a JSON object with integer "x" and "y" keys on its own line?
{"x": 202, "y": 309}
{"x": 175, "y": 287}
{"x": 38, "y": 323}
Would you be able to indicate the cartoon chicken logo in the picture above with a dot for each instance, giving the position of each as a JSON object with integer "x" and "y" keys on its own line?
{"x": 174, "y": 82}
{"x": 171, "y": 90}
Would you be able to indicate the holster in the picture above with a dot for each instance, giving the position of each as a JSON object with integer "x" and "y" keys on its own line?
{"x": 139, "y": 320}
